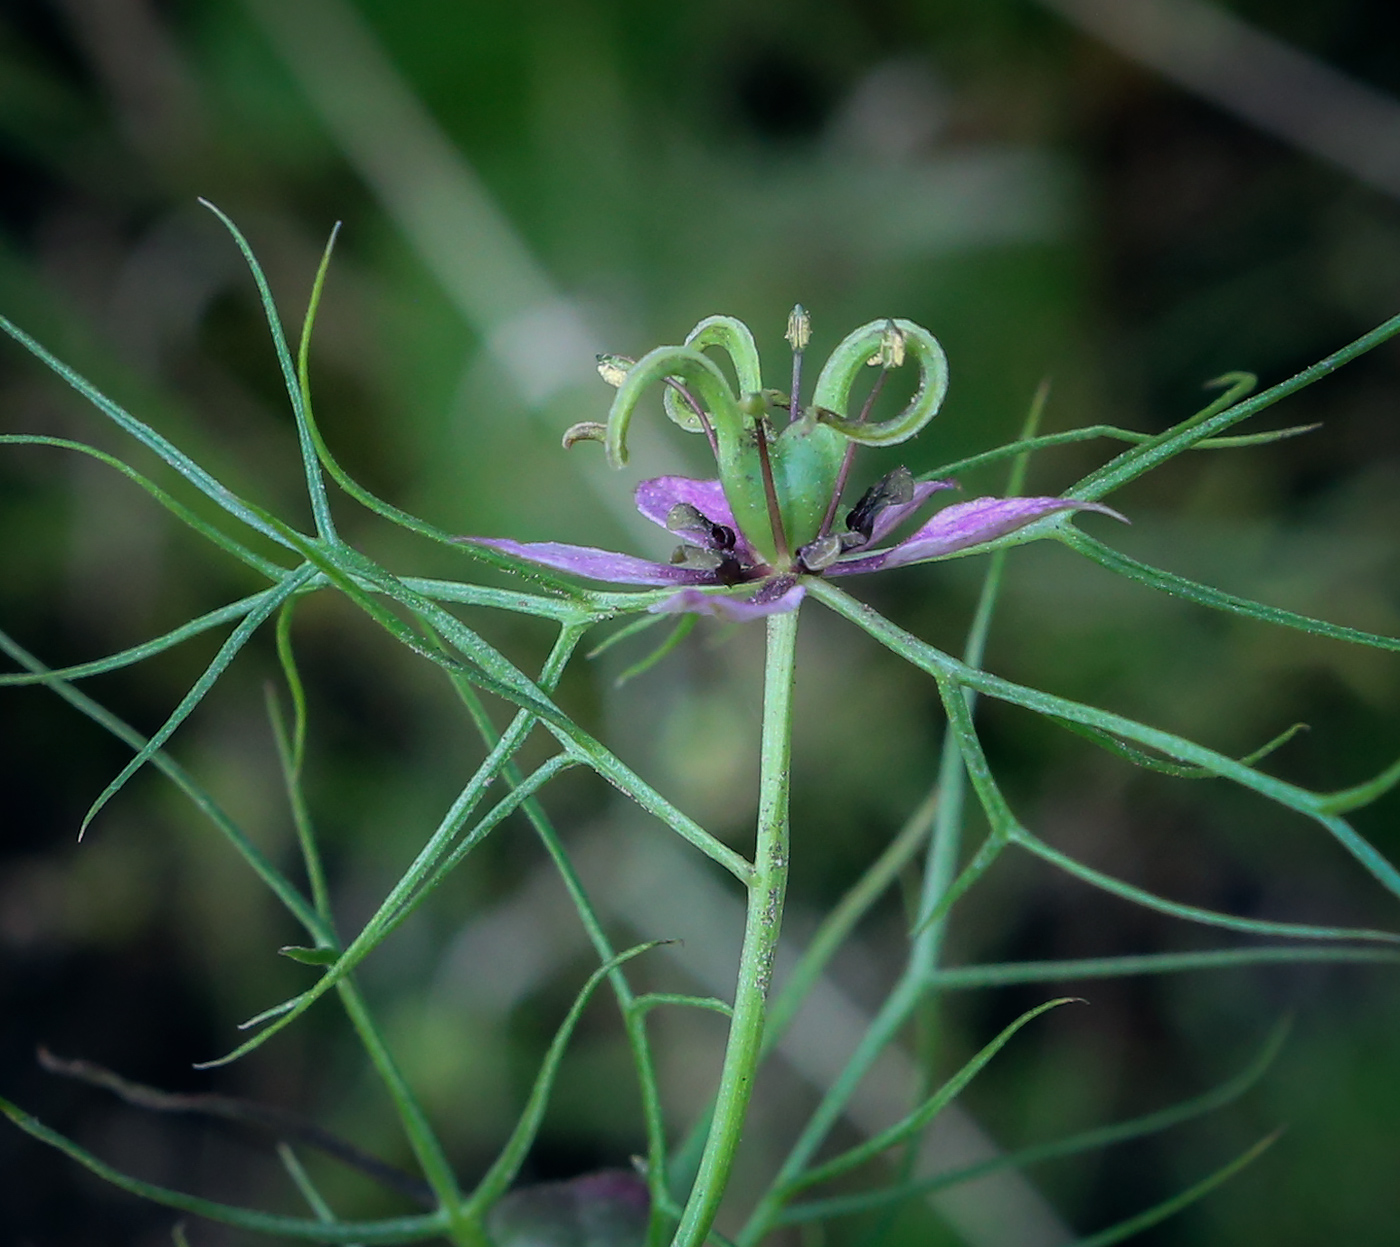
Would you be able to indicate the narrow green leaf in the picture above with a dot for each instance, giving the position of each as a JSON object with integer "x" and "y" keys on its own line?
{"x": 1005, "y": 972}
{"x": 315, "y": 484}
{"x": 278, "y": 1010}
{"x": 1363, "y": 794}
{"x": 238, "y": 638}
{"x": 558, "y": 609}
{"x": 1170, "y": 1207}
{"x": 502, "y": 1172}
{"x": 1028, "y": 445}
{"x": 1191, "y": 913}
{"x": 147, "y": 649}
{"x": 1136, "y": 462}
{"x": 981, "y": 862}
{"x": 390, "y": 1230}
{"x": 277, "y": 882}
{"x": 944, "y": 668}
{"x": 645, "y": 1004}
{"x": 569, "y": 734}
{"x": 178, "y": 509}
{"x": 309, "y": 956}
{"x": 628, "y": 630}
{"x": 635, "y": 1024}
{"x": 283, "y": 1014}
{"x": 285, "y": 656}
{"x": 1204, "y": 595}
{"x": 1155, "y": 450}
{"x": 684, "y": 626}
{"x": 1020, "y": 1158}
{"x": 1145, "y": 760}
{"x": 147, "y": 436}
{"x": 925, "y": 1113}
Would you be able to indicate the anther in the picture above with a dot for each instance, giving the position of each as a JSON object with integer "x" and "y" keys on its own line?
{"x": 613, "y": 369}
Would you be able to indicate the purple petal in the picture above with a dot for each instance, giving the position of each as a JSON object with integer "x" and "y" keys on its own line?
{"x": 783, "y": 596}
{"x": 656, "y": 497}
{"x": 887, "y": 519}
{"x": 961, "y": 526}
{"x": 618, "y": 569}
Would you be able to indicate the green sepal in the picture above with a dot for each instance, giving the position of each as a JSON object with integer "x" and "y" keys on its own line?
{"x": 845, "y": 364}
{"x": 734, "y": 336}
{"x": 699, "y": 374}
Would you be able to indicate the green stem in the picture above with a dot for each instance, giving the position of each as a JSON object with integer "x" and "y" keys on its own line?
{"x": 940, "y": 871}
{"x": 761, "y": 928}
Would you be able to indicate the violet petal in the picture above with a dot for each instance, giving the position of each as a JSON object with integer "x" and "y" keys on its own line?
{"x": 890, "y": 517}
{"x": 734, "y": 610}
{"x": 961, "y": 526}
{"x": 657, "y": 496}
{"x": 595, "y": 564}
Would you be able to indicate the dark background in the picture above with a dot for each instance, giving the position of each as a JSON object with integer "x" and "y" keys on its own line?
{"x": 1047, "y": 205}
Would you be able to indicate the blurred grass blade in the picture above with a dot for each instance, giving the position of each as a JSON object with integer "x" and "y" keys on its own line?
{"x": 302, "y": 1180}
{"x": 837, "y": 926}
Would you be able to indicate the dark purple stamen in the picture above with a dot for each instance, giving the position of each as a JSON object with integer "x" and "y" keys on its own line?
{"x": 894, "y": 489}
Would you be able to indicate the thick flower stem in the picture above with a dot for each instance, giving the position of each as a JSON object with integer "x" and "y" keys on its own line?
{"x": 764, "y": 920}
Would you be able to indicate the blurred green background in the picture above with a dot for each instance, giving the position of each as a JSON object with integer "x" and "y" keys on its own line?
{"x": 525, "y": 185}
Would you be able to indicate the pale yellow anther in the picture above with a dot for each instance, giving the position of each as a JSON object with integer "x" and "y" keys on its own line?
{"x": 613, "y": 369}
{"x": 891, "y": 352}
{"x": 799, "y": 328}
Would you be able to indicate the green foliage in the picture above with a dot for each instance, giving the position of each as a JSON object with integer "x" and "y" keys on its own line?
{"x": 412, "y": 612}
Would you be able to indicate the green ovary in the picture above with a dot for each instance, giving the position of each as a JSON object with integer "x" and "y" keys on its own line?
{"x": 806, "y": 461}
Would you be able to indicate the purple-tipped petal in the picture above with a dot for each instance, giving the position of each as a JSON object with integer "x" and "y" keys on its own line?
{"x": 887, "y": 519}
{"x": 595, "y": 564}
{"x": 961, "y": 526}
{"x": 775, "y": 598}
{"x": 656, "y": 497}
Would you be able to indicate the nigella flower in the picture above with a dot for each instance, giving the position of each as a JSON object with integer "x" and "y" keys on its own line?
{"x": 751, "y": 537}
